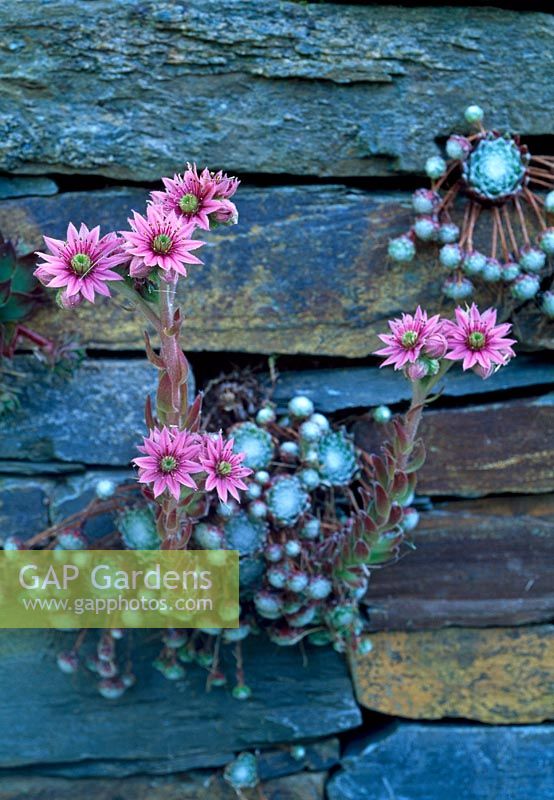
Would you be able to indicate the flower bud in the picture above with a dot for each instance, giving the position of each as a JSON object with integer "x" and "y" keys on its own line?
{"x": 474, "y": 263}
{"x": 265, "y": 415}
{"x": 509, "y": 271}
{"x": 68, "y": 661}
{"x": 483, "y": 372}
{"x": 289, "y": 452}
{"x": 301, "y": 407}
{"x": 451, "y": 256}
{"x": 410, "y": 519}
{"x": 458, "y": 147}
{"x": 547, "y": 241}
{"x": 311, "y": 529}
{"x": 104, "y": 489}
{"x": 474, "y": 114}
{"x": 382, "y": 414}
{"x": 293, "y": 548}
{"x": 448, "y": 233}
{"x": 262, "y": 477}
{"x": 297, "y": 582}
{"x": 310, "y": 431}
{"x": 436, "y": 346}
{"x": 525, "y": 287}
{"x": 227, "y": 213}
{"x": 492, "y": 271}
{"x": 111, "y": 688}
{"x": 426, "y": 229}
{"x": 254, "y": 491}
{"x": 424, "y": 201}
{"x": 242, "y": 692}
{"x": 273, "y": 552}
{"x": 277, "y": 577}
{"x": 457, "y": 288}
{"x": 298, "y": 752}
{"x": 257, "y": 509}
{"x": 401, "y": 249}
{"x": 309, "y": 478}
{"x": 548, "y": 203}
{"x": 417, "y": 370}
{"x": 532, "y": 259}
{"x": 435, "y": 167}
{"x": 68, "y": 301}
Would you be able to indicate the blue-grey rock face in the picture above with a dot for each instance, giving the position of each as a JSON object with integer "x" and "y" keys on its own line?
{"x": 282, "y": 87}
{"x": 48, "y": 718}
{"x": 449, "y": 762}
{"x": 96, "y": 416}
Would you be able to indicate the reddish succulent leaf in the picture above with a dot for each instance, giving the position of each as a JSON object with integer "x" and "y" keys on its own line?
{"x": 417, "y": 456}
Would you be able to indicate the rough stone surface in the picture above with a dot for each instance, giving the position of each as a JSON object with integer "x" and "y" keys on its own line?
{"x": 481, "y": 458}
{"x": 260, "y": 289}
{"x": 282, "y": 87}
{"x": 161, "y": 727}
{"x": 497, "y": 675}
{"x": 96, "y": 416}
{"x": 476, "y": 563}
{"x": 459, "y": 762}
{"x": 26, "y": 187}
{"x": 359, "y": 387}
{"x": 308, "y": 786}
{"x": 23, "y": 507}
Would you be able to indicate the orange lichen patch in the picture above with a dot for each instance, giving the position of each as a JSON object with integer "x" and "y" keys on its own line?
{"x": 497, "y": 675}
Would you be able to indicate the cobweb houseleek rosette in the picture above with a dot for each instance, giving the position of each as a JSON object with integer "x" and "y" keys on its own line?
{"x": 489, "y": 187}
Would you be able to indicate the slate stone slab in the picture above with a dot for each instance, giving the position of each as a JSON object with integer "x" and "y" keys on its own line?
{"x": 278, "y": 87}
{"x": 260, "y": 288}
{"x": 26, "y": 187}
{"x": 47, "y": 718}
{"x": 498, "y": 675}
{"x": 476, "y": 563}
{"x": 96, "y": 416}
{"x": 308, "y": 786}
{"x": 459, "y": 762}
{"x": 484, "y": 449}
{"x": 359, "y": 387}
{"x": 23, "y": 507}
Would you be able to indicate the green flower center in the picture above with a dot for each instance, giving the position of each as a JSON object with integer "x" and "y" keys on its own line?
{"x": 409, "y": 339}
{"x": 162, "y": 243}
{"x": 81, "y": 263}
{"x": 168, "y": 463}
{"x": 189, "y": 203}
{"x": 224, "y": 468}
{"x": 476, "y": 340}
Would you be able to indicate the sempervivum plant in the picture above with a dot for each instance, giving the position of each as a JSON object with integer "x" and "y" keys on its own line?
{"x": 488, "y": 187}
{"x": 309, "y": 514}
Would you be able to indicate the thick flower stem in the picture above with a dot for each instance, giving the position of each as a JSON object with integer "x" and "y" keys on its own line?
{"x": 421, "y": 392}
{"x": 176, "y": 368}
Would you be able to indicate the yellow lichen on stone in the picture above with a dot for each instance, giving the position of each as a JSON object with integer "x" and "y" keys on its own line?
{"x": 497, "y": 675}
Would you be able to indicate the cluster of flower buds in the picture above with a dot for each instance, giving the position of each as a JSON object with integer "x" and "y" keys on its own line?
{"x": 494, "y": 174}
{"x": 158, "y": 245}
{"x": 113, "y": 673}
{"x": 418, "y": 343}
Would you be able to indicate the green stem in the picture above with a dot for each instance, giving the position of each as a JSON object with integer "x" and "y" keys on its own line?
{"x": 421, "y": 390}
